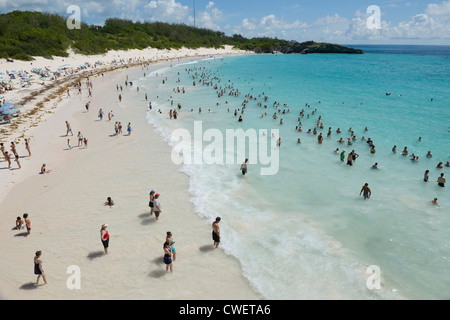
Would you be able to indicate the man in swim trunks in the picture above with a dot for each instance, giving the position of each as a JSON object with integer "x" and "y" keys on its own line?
{"x": 216, "y": 232}
{"x": 244, "y": 167}
{"x": 366, "y": 191}
{"x": 27, "y": 222}
{"x": 441, "y": 181}
{"x": 156, "y": 206}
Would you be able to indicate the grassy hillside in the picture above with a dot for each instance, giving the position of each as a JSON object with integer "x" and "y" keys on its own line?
{"x": 24, "y": 34}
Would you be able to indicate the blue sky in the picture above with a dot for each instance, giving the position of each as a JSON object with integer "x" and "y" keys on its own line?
{"x": 400, "y": 22}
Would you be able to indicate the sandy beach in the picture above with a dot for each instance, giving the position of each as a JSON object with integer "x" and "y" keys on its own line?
{"x": 66, "y": 206}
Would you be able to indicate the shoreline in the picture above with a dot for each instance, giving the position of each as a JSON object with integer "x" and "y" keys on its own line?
{"x": 38, "y": 102}
{"x": 189, "y": 280}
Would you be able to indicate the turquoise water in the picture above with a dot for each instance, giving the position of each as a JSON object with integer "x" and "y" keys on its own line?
{"x": 305, "y": 233}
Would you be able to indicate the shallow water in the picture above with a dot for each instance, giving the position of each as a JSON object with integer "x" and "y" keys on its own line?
{"x": 304, "y": 233}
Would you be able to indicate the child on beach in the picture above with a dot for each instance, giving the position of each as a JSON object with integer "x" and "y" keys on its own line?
{"x": 109, "y": 202}
{"x": 19, "y": 223}
{"x": 44, "y": 169}
{"x": 18, "y": 161}
{"x": 27, "y": 222}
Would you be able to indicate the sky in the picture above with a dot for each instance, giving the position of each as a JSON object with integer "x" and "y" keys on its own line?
{"x": 337, "y": 21}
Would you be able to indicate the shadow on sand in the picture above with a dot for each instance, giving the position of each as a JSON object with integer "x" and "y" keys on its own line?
{"x": 206, "y": 248}
{"x": 147, "y": 218}
{"x": 22, "y": 234}
{"x": 157, "y": 273}
{"x": 95, "y": 254}
{"x": 29, "y": 286}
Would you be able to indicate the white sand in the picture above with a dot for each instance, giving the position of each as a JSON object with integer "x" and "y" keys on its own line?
{"x": 66, "y": 206}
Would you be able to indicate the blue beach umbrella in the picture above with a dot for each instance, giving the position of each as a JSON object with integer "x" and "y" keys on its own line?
{"x": 7, "y": 105}
{"x": 9, "y": 111}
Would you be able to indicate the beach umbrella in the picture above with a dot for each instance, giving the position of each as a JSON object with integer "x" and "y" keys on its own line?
{"x": 9, "y": 111}
{"x": 5, "y": 109}
{"x": 7, "y": 105}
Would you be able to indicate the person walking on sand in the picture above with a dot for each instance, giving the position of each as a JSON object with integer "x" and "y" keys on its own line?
{"x": 104, "y": 236}
{"x": 69, "y": 129}
{"x": 171, "y": 242}
{"x": 27, "y": 222}
{"x": 151, "y": 204}
{"x": 27, "y": 146}
{"x": 8, "y": 159}
{"x": 366, "y": 191}
{"x": 18, "y": 161}
{"x": 100, "y": 114}
{"x": 129, "y": 128}
{"x": 157, "y": 206}
{"x": 2, "y": 149}
{"x": 168, "y": 256}
{"x": 38, "y": 268}
{"x": 14, "y": 150}
{"x": 216, "y": 232}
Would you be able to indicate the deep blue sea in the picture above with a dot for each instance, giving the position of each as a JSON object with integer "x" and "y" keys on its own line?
{"x": 305, "y": 232}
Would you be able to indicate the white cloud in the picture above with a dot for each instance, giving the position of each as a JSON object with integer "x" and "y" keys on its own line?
{"x": 209, "y": 18}
{"x": 439, "y": 9}
{"x": 166, "y": 10}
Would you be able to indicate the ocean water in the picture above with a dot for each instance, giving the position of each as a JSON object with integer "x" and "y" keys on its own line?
{"x": 304, "y": 232}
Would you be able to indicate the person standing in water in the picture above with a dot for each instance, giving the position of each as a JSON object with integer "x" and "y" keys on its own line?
{"x": 244, "y": 167}
{"x": 216, "y": 232}
{"x": 425, "y": 176}
{"x": 342, "y": 155}
{"x": 366, "y": 191}
{"x": 441, "y": 181}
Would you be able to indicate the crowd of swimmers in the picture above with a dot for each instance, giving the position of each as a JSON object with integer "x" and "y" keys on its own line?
{"x": 209, "y": 78}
